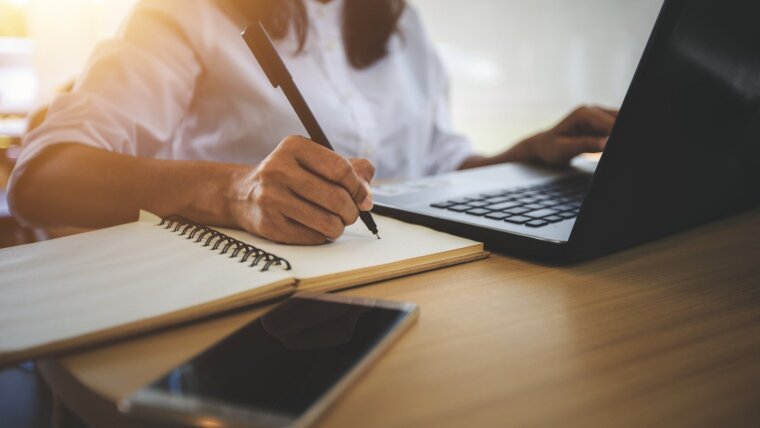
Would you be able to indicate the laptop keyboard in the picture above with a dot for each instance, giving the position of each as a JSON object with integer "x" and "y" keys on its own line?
{"x": 533, "y": 206}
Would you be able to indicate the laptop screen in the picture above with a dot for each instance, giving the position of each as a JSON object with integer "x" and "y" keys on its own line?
{"x": 686, "y": 146}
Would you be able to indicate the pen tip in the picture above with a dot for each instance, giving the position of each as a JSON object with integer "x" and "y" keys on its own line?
{"x": 378, "y": 236}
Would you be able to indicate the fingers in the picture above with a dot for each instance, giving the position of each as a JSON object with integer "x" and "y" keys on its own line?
{"x": 283, "y": 217}
{"x": 366, "y": 171}
{"x": 291, "y": 232}
{"x": 329, "y": 165}
{"x": 590, "y": 121}
{"x": 314, "y": 218}
{"x": 585, "y": 130}
{"x": 262, "y": 215}
{"x": 303, "y": 193}
{"x": 559, "y": 150}
{"x": 325, "y": 194}
{"x": 570, "y": 147}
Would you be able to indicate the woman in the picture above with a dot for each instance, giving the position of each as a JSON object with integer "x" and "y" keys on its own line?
{"x": 176, "y": 117}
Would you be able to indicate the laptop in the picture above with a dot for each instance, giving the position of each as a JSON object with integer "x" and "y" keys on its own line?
{"x": 685, "y": 150}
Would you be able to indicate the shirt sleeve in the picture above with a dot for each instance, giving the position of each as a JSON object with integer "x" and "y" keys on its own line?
{"x": 449, "y": 148}
{"x": 132, "y": 94}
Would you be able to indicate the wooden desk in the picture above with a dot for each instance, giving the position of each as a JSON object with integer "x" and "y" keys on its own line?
{"x": 667, "y": 334}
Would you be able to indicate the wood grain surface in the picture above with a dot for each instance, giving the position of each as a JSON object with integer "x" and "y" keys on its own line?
{"x": 667, "y": 334}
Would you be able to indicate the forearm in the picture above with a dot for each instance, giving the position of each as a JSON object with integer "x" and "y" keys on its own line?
{"x": 77, "y": 185}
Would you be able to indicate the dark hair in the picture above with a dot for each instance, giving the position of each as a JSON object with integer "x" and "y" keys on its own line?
{"x": 367, "y": 24}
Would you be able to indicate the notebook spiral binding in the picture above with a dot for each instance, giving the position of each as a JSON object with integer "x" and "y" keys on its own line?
{"x": 239, "y": 249}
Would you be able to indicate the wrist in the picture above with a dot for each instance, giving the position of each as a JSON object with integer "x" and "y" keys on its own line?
{"x": 216, "y": 193}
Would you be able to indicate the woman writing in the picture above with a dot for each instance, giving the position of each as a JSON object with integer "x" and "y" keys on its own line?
{"x": 176, "y": 117}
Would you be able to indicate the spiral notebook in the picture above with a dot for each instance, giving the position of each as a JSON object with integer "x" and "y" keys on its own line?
{"x": 80, "y": 290}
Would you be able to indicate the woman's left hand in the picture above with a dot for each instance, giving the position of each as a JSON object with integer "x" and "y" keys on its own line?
{"x": 585, "y": 130}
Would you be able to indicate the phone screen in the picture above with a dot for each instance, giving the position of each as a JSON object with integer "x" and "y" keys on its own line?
{"x": 283, "y": 362}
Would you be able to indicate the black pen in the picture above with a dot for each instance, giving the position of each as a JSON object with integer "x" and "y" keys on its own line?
{"x": 261, "y": 46}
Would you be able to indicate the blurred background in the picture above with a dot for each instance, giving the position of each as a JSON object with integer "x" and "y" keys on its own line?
{"x": 516, "y": 65}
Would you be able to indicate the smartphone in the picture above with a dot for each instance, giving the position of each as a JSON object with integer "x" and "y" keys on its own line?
{"x": 283, "y": 369}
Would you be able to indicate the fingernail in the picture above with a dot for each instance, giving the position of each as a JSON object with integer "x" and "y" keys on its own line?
{"x": 366, "y": 204}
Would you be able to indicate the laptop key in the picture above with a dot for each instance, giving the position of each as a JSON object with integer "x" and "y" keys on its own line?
{"x": 498, "y": 199}
{"x": 442, "y": 205}
{"x": 497, "y": 215}
{"x": 526, "y": 200}
{"x": 518, "y": 219}
{"x": 459, "y": 208}
{"x": 516, "y": 210}
{"x": 541, "y": 213}
{"x": 568, "y": 214}
{"x": 461, "y": 200}
{"x": 562, "y": 207}
{"x": 535, "y": 206}
{"x": 477, "y": 204}
{"x": 478, "y": 211}
{"x": 553, "y": 218}
{"x": 537, "y": 223}
{"x": 503, "y": 206}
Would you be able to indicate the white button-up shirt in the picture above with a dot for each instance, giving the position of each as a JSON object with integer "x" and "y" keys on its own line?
{"x": 178, "y": 82}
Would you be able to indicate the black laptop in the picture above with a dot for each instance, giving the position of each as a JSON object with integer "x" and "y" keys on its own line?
{"x": 685, "y": 150}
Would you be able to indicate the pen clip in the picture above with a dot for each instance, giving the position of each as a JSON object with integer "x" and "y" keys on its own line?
{"x": 261, "y": 46}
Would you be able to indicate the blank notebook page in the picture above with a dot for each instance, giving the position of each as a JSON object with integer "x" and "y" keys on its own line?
{"x": 358, "y": 249}
{"x": 72, "y": 286}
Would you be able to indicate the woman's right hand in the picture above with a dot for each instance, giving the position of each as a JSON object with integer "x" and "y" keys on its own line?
{"x": 302, "y": 193}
